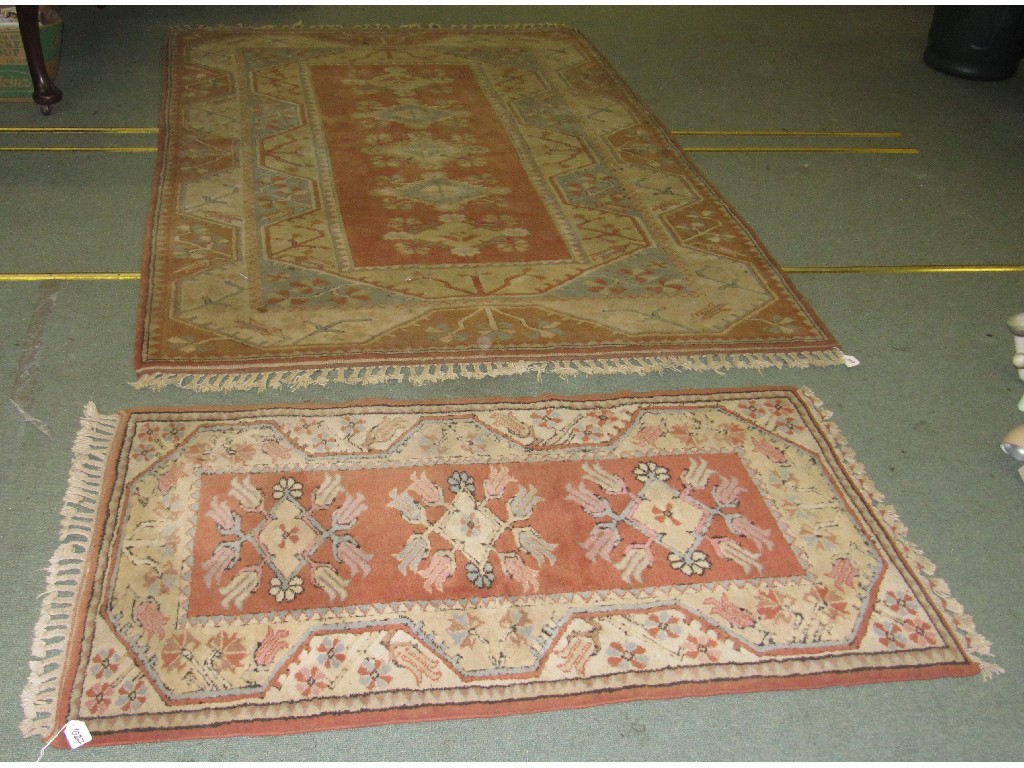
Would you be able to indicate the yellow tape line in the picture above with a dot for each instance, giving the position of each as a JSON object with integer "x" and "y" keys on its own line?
{"x": 881, "y": 269}
{"x": 78, "y": 130}
{"x": 846, "y": 150}
{"x": 77, "y": 149}
{"x": 28, "y": 277}
{"x": 844, "y": 134}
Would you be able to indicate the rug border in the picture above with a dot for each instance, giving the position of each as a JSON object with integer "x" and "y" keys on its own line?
{"x": 45, "y": 696}
{"x": 300, "y": 373}
{"x": 68, "y": 569}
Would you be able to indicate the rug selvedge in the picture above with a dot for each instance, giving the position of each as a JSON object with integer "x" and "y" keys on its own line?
{"x": 329, "y": 566}
{"x": 424, "y": 203}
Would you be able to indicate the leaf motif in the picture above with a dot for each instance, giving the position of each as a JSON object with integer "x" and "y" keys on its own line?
{"x": 632, "y": 565}
{"x": 347, "y": 551}
{"x": 497, "y": 480}
{"x": 606, "y": 480}
{"x": 345, "y": 516}
{"x": 532, "y": 544}
{"x": 697, "y": 475}
{"x": 328, "y": 491}
{"x": 331, "y": 582}
{"x": 603, "y": 539}
{"x": 223, "y": 558}
{"x": 409, "y": 508}
{"x": 520, "y": 572}
{"x": 429, "y": 492}
{"x": 413, "y": 553}
{"x": 521, "y": 506}
{"x": 239, "y": 588}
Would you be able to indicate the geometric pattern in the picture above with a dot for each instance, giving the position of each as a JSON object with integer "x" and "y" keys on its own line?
{"x": 431, "y": 203}
{"x": 305, "y": 567}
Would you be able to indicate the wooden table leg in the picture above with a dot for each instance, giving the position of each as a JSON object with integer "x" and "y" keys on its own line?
{"x": 45, "y": 93}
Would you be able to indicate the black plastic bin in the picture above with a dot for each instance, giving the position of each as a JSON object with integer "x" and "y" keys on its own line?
{"x": 980, "y": 42}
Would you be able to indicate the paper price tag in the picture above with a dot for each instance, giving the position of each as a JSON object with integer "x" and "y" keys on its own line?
{"x": 77, "y": 734}
{"x": 851, "y": 361}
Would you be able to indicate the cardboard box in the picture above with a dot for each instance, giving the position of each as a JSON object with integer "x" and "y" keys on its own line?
{"x": 15, "y": 81}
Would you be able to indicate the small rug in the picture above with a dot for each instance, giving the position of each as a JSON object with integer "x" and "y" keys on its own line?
{"x": 372, "y": 205}
{"x": 285, "y": 569}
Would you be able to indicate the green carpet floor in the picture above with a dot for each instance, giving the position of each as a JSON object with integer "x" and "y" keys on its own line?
{"x": 925, "y": 410}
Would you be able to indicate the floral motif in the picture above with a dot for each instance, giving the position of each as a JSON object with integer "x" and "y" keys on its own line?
{"x": 663, "y": 625}
{"x": 131, "y": 695}
{"x": 627, "y": 655}
{"x": 105, "y": 664}
{"x": 99, "y": 697}
{"x": 472, "y": 527}
{"x": 480, "y": 576}
{"x": 890, "y": 634}
{"x": 900, "y": 603}
{"x": 227, "y": 651}
{"x": 288, "y": 487}
{"x": 672, "y": 518}
{"x": 179, "y": 652}
{"x": 286, "y": 537}
{"x": 702, "y": 648}
{"x": 331, "y": 652}
{"x": 282, "y": 590}
{"x": 919, "y": 631}
{"x": 312, "y": 680}
{"x": 375, "y": 673}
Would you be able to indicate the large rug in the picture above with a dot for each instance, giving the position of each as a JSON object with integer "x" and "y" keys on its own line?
{"x": 283, "y": 569}
{"x": 372, "y": 205}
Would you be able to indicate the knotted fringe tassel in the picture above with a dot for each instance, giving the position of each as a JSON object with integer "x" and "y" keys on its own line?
{"x": 66, "y": 569}
{"x": 974, "y": 643}
{"x": 441, "y": 372}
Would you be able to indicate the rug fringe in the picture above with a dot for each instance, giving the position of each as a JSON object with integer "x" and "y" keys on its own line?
{"x": 974, "y": 643}
{"x": 261, "y": 381}
{"x": 65, "y": 571}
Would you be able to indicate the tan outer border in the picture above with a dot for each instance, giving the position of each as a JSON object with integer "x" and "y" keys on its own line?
{"x": 300, "y": 372}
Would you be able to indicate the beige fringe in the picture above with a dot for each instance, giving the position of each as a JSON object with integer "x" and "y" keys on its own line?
{"x": 432, "y": 374}
{"x": 973, "y": 641}
{"x": 64, "y": 579}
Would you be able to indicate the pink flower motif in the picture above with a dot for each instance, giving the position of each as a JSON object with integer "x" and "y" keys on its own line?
{"x": 179, "y": 651}
{"x": 374, "y": 673}
{"x": 703, "y": 649}
{"x": 99, "y": 697}
{"x": 545, "y": 419}
{"x": 597, "y": 425}
{"x": 130, "y": 695}
{"x": 663, "y": 626}
{"x": 890, "y": 634}
{"x": 331, "y": 652}
{"x": 920, "y": 631}
{"x": 627, "y": 655}
{"x": 227, "y": 651}
{"x": 902, "y": 604}
{"x": 105, "y": 663}
{"x": 311, "y": 679}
